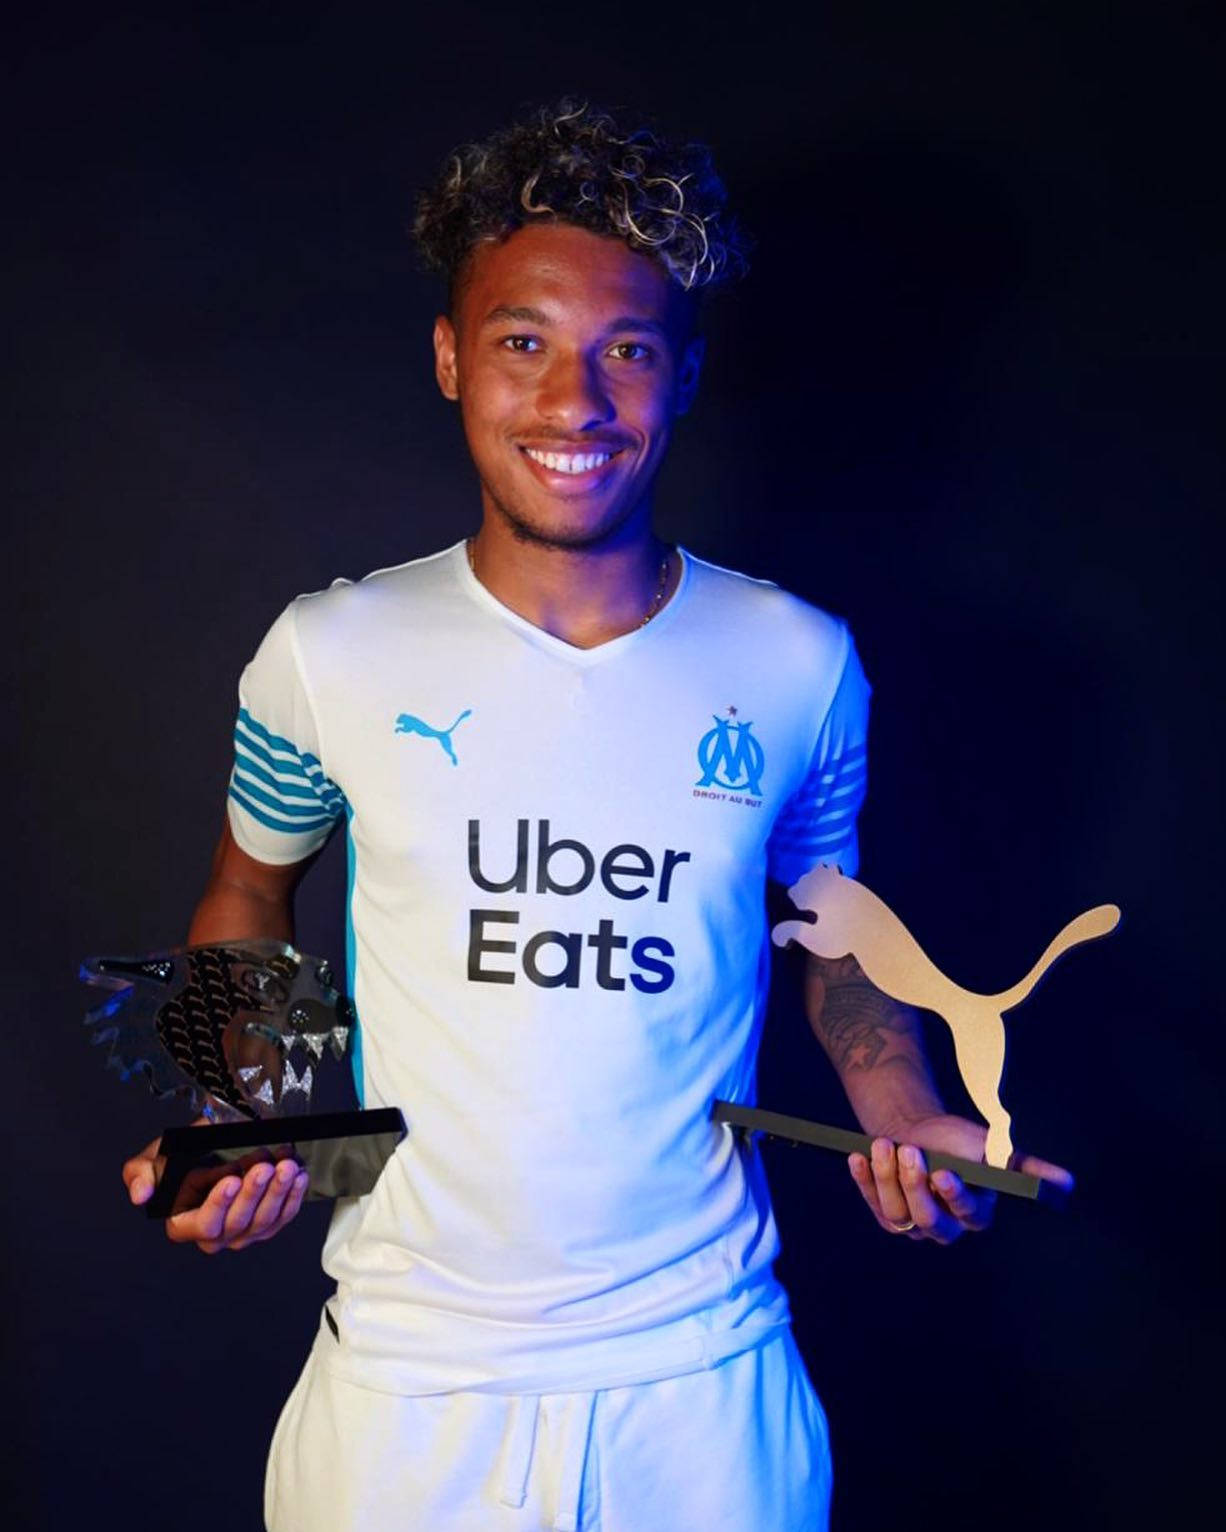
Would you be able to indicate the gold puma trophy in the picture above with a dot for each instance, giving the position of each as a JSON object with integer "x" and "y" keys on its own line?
{"x": 850, "y": 920}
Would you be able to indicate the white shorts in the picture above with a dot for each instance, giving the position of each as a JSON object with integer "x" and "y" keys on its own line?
{"x": 741, "y": 1445}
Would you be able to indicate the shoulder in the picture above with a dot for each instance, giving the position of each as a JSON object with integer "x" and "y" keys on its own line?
{"x": 395, "y": 594}
{"x": 759, "y": 611}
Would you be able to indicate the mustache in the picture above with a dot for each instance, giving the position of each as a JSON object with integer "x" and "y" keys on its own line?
{"x": 545, "y": 440}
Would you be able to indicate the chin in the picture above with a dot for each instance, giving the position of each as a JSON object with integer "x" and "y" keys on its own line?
{"x": 574, "y": 538}
{"x": 563, "y": 531}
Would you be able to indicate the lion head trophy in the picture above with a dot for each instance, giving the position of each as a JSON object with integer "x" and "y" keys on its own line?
{"x": 239, "y": 1030}
{"x": 236, "y": 1028}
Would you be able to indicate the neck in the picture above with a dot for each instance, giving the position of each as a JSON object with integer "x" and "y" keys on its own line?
{"x": 583, "y": 596}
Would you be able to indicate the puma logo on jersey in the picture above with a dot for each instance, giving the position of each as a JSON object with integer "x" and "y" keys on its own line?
{"x": 407, "y": 724}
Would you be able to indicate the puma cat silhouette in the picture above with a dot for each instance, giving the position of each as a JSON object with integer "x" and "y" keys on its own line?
{"x": 407, "y": 724}
{"x": 853, "y": 921}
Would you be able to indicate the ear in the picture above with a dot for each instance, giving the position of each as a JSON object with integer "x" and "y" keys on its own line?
{"x": 687, "y": 376}
{"x": 445, "y": 357}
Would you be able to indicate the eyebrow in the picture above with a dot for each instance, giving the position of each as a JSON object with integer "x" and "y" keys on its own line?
{"x": 515, "y": 315}
{"x": 502, "y": 313}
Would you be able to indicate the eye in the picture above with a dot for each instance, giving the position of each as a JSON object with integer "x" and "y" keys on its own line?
{"x": 524, "y": 345}
{"x": 630, "y": 351}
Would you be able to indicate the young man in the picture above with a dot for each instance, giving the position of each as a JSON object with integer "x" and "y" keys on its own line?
{"x": 567, "y": 757}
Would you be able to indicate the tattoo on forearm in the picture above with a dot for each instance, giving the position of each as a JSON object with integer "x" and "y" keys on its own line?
{"x": 856, "y": 1022}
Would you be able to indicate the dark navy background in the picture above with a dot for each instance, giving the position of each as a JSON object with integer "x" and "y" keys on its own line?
{"x": 966, "y": 400}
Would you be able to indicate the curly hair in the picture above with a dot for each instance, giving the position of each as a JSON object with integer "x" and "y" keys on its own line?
{"x": 572, "y": 164}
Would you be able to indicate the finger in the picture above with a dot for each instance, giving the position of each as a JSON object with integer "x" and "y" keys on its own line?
{"x": 210, "y": 1225}
{"x": 238, "y": 1210}
{"x": 245, "y": 1206}
{"x": 140, "y": 1173}
{"x": 931, "y": 1219}
{"x": 278, "y": 1182}
{"x": 140, "y": 1182}
{"x": 199, "y": 1181}
{"x": 296, "y": 1198}
{"x": 1031, "y": 1165}
{"x": 862, "y": 1175}
{"x": 289, "y": 1210}
{"x": 972, "y": 1209}
{"x": 203, "y": 1225}
{"x": 891, "y": 1199}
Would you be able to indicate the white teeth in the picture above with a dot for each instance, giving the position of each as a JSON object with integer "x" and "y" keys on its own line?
{"x": 568, "y": 462}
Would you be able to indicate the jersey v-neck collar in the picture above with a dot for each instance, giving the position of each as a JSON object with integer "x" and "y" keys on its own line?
{"x": 583, "y": 658}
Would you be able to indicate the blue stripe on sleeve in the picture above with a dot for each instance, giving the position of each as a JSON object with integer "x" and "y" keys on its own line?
{"x": 290, "y": 765}
{"x": 276, "y": 741}
{"x": 819, "y": 844}
{"x": 278, "y": 805}
{"x": 315, "y": 787}
{"x": 820, "y": 820}
{"x": 272, "y": 822}
{"x": 330, "y": 795}
{"x": 250, "y": 767}
{"x": 282, "y": 787}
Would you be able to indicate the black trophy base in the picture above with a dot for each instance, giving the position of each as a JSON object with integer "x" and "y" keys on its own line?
{"x": 342, "y": 1152}
{"x": 799, "y": 1130}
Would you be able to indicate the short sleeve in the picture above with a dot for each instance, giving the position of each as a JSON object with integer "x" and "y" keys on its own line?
{"x": 818, "y": 822}
{"x": 282, "y": 805}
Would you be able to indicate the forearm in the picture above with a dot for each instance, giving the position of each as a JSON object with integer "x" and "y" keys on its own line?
{"x": 875, "y": 1045}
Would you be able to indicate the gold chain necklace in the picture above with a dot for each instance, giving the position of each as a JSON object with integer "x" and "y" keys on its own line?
{"x": 657, "y": 600}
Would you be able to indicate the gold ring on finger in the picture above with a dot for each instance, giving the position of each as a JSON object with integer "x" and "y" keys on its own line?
{"x": 901, "y": 1228}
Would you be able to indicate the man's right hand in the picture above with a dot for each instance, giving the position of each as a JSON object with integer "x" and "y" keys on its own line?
{"x": 244, "y": 900}
{"x": 238, "y": 1211}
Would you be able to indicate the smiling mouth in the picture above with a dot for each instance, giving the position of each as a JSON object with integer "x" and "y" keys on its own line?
{"x": 569, "y": 462}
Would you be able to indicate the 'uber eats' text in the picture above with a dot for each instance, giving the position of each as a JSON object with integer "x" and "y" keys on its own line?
{"x": 497, "y": 949}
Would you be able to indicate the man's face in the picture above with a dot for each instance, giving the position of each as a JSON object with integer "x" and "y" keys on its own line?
{"x": 571, "y": 355}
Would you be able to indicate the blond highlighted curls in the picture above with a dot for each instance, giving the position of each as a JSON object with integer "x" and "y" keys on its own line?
{"x": 573, "y": 164}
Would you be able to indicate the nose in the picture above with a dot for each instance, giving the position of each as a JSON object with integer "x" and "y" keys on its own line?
{"x": 573, "y": 394}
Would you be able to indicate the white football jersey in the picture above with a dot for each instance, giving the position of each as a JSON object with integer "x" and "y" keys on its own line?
{"x": 558, "y": 953}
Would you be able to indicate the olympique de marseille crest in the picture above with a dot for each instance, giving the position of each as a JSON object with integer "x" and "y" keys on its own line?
{"x": 731, "y": 757}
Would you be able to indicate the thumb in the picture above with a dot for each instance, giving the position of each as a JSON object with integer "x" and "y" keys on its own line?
{"x": 139, "y": 1174}
{"x": 140, "y": 1185}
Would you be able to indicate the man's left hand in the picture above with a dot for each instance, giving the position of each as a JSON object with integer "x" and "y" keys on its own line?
{"x": 905, "y": 1199}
